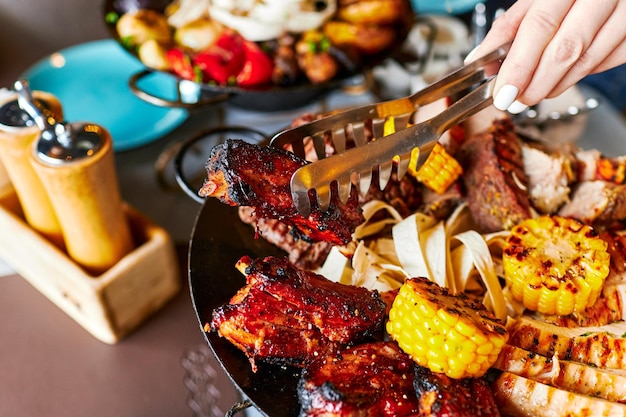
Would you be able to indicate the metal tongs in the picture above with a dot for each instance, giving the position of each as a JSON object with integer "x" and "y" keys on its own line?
{"x": 318, "y": 181}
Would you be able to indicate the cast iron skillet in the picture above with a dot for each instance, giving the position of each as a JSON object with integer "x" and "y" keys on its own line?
{"x": 271, "y": 98}
{"x": 218, "y": 240}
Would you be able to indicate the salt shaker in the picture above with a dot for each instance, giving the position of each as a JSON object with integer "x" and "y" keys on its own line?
{"x": 75, "y": 164}
{"x": 18, "y": 131}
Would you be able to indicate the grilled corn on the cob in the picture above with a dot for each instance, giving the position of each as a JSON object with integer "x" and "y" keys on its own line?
{"x": 447, "y": 333}
{"x": 555, "y": 265}
{"x": 440, "y": 170}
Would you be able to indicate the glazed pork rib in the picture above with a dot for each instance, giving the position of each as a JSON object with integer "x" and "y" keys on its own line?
{"x": 371, "y": 379}
{"x": 244, "y": 174}
{"x": 288, "y": 316}
{"x": 379, "y": 379}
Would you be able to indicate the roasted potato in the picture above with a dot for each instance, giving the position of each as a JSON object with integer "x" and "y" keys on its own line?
{"x": 378, "y": 12}
{"x": 367, "y": 39}
{"x": 197, "y": 35}
{"x": 153, "y": 55}
{"x": 134, "y": 28}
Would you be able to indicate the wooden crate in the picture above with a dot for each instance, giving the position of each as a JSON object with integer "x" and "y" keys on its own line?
{"x": 111, "y": 305}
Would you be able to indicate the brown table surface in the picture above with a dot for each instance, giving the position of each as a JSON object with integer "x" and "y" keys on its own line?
{"x": 50, "y": 366}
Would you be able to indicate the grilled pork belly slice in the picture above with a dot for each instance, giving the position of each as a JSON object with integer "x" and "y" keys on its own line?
{"x": 601, "y": 346}
{"x": 286, "y": 315}
{"x": 572, "y": 376}
{"x": 442, "y": 396}
{"x": 494, "y": 178}
{"x": 598, "y": 203}
{"x": 517, "y": 396}
{"x": 370, "y": 379}
{"x": 244, "y": 174}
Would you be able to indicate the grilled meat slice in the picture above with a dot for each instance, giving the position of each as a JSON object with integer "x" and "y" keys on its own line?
{"x": 304, "y": 255}
{"x": 548, "y": 178}
{"x": 598, "y": 203}
{"x": 601, "y": 346}
{"x": 517, "y": 396}
{"x": 370, "y": 379}
{"x": 288, "y": 315}
{"x": 572, "y": 376}
{"x": 494, "y": 178}
{"x": 442, "y": 396}
{"x": 244, "y": 174}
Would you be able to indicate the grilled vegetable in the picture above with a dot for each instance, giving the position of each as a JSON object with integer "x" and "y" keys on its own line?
{"x": 612, "y": 169}
{"x": 440, "y": 170}
{"x": 447, "y": 333}
{"x": 555, "y": 265}
{"x": 139, "y": 26}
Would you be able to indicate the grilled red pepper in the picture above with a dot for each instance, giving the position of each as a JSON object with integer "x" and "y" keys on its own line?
{"x": 223, "y": 60}
{"x": 181, "y": 64}
{"x": 258, "y": 66}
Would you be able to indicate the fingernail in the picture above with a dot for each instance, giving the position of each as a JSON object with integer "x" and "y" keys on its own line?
{"x": 505, "y": 97}
{"x": 517, "y": 107}
{"x": 471, "y": 53}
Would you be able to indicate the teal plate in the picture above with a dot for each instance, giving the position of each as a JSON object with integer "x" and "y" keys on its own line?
{"x": 91, "y": 82}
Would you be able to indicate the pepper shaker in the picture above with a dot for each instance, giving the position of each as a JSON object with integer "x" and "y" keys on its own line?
{"x": 18, "y": 131}
{"x": 75, "y": 163}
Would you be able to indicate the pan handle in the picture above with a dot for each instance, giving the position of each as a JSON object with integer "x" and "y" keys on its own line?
{"x": 238, "y": 407}
{"x": 219, "y": 135}
{"x": 134, "y": 80}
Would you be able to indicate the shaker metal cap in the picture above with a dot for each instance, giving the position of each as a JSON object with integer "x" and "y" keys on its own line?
{"x": 59, "y": 142}
{"x": 12, "y": 115}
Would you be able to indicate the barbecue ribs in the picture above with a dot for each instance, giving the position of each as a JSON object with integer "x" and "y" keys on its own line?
{"x": 379, "y": 379}
{"x": 442, "y": 396}
{"x": 288, "y": 316}
{"x": 371, "y": 379}
{"x": 244, "y": 174}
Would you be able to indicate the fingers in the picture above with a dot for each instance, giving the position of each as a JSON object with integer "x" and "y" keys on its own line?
{"x": 607, "y": 50}
{"x": 535, "y": 32}
{"x": 572, "y": 51}
{"x": 555, "y": 44}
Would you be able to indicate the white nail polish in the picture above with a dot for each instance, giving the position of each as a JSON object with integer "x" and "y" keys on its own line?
{"x": 517, "y": 107}
{"x": 469, "y": 56}
{"x": 505, "y": 97}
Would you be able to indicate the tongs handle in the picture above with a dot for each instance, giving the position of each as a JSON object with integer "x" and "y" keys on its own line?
{"x": 362, "y": 160}
{"x": 452, "y": 84}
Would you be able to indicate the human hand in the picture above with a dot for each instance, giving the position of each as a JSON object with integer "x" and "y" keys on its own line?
{"x": 556, "y": 43}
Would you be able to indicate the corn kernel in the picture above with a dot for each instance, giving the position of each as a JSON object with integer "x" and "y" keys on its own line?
{"x": 439, "y": 171}
{"x": 454, "y": 340}
{"x": 465, "y": 328}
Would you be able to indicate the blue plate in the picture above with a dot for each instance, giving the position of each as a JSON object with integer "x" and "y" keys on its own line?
{"x": 91, "y": 82}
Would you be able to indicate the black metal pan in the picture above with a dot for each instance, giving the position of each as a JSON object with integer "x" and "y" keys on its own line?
{"x": 219, "y": 239}
{"x": 217, "y": 242}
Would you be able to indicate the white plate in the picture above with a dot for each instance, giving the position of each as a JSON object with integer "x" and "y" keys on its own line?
{"x": 91, "y": 82}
